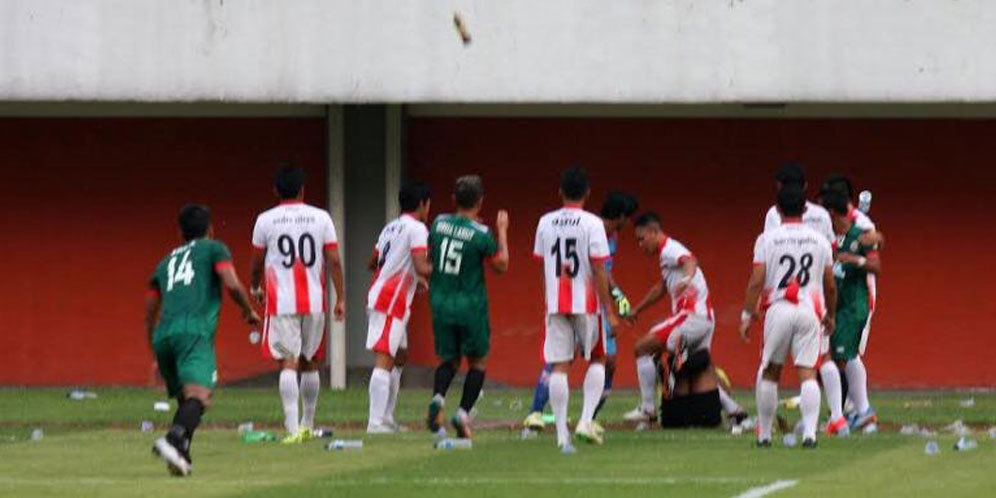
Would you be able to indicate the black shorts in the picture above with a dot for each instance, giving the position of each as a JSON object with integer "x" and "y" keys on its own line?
{"x": 693, "y": 410}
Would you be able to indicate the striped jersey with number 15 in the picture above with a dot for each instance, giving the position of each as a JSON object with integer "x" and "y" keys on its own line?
{"x": 569, "y": 241}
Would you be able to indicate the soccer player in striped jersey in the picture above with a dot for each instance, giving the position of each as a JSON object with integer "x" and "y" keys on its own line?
{"x": 400, "y": 261}
{"x": 181, "y": 319}
{"x": 573, "y": 246}
{"x": 296, "y": 253}
{"x": 461, "y": 248}
{"x": 617, "y": 208}
{"x": 817, "y": 218}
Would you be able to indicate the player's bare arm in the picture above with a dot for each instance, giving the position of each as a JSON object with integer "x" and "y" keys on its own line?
{"x": 755, "y": 286}
{"x": 830, "y": 294}
{"x": 333, "y": 270}
{"x": 653, "y": 295}
{"x": 602, "y": 287}
{"x": 500, "y": 260}
{"x": 230, "y": 280}
{"x": 422, "y": 265}
{"x": 256, "y": 275}
{"x": 872, "y": 238}
{"x": 871, "y": 263}
{"x": 373, "y": 264}
{"x": 153, "y": 300}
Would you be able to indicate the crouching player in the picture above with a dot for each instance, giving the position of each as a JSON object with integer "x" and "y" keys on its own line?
{"x": 687, "y": 333}
{"x": 181, "y": 318}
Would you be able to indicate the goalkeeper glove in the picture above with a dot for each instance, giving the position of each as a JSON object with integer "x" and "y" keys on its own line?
{"x": 622, "y": 304}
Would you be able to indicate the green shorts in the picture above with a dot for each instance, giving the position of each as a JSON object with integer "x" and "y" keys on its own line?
{"x": 466, "y": 335}
{"x": 186, "y": 359}
{"x": 846, "y": 339}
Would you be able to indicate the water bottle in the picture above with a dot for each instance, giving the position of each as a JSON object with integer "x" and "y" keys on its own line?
{"x": 344, "y": 444}
{"x": 528, "y": 434}
{"x": 966, "y": 444}
{"x": 931, "y": 449}
{"x": 161, "y": 406}
{"x": 37, "y": 434}
{"x": 322, "y": 432}
{"x": 789, "y": 440}
{"x": 77, "y": 395}
{"x": 246, "y": 427}
{"x": 147, "y": 426}
{"x": 258, "y": 437}
{"x": 454, "y": 444}
{"x": 254, "y": 337}
{"x": 865, "y": 201}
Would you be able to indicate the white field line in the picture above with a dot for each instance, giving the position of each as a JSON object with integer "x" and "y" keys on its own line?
{"x": 760, "y": 491}
{"x": 381, "y": 481}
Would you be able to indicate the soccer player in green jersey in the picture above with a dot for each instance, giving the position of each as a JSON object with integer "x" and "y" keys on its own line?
{"x": 181, "y": 318}
{"x": 460, "y": 248}
{"x": 855, "y": 260}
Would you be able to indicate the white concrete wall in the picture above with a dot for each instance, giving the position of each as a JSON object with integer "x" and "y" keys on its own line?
{"x": 522, "y": 50}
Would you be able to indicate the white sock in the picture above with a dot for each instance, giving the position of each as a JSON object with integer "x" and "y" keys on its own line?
{"x": 766, "y": 393}
{"x": 392, "y": 398}
{"x": 832, "y": 389}
{"x": 288, "y": 396}
{"x": 729, "y": 406}
{"x": 380, "y": 389}
{"x": 857, "y": 384}
{"x": 594, "y": 384}
{"x": 559, "y": 394}
{"x": 810, "y": 407}
{"x": 310, "y": 383}
{"x": 646, "y": 372}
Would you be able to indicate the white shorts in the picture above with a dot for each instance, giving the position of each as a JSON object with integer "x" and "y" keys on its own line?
{"x": 567, "y": 332}
{"x": 689, "y": 329}
{"x": 294, "y": 335}
{"x": 386, "y": 334}
{"x": 790, "y": 328}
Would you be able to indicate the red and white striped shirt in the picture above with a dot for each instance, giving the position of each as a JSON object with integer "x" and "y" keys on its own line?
{"x": 294, "y": 234}
{"x": 570, "y": 240}
{"x": 795, "y": 257}
{"x": 695, "y": 296}
{"x": 394, "y": 284}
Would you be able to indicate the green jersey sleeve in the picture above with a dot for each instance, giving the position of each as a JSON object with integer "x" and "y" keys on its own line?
{"x": 219, "y": 254}
{"x": 488, "y": 244}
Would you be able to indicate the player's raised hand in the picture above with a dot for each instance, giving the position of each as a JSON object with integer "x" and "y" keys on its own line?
{"x": 502, "y": 220}
{"x": 339, "y": 312}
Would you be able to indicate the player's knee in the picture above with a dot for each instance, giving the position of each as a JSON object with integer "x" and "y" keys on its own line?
{"x": 401, "y": 358}
{"x": 199, "y": 393}
{"x": 610, "y": 363}
{"x": 647, "y": 345}
{"x": 290, "y": 364}
{"x": 772, "y": 371}
{"x": 478, "y": 362}
{"x": 806, "y": 373}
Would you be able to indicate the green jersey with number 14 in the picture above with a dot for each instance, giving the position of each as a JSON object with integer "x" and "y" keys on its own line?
{"x": 188, "y": 282}
{"x": 460, "y": 247}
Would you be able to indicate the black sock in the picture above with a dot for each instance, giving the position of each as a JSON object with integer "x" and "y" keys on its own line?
{"x": 843, "y": 390}
{"x": 444, "y": 377}
{"x": 185, "y": 422}
{"x": 472, "y": 385}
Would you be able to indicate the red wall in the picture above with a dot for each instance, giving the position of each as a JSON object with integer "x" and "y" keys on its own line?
{"x": 88, "y": 209}
{"x": 711, "y": 180}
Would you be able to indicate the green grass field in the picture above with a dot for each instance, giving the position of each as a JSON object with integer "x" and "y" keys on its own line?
{"x": 95, "y": 448}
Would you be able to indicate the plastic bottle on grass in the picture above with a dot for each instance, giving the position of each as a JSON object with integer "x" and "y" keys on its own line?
{"x": 344, "y": 444}
{"x": 931, "y": 448}
{"x": 966, "y": 444}
{"x": 258, "y": 437}
{"x": 454, "y": 444}
{"x": 37, "y": 434}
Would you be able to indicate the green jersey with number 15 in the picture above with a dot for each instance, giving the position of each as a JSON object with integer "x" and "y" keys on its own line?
{"x": 188, "y": 282}
{"x": 460, "y": 247}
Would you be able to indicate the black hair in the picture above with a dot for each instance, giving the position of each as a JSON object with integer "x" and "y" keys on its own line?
{"x": 791, "y": 173}
{"x": 840, "y": 182}
{"x": 412, "y": 195}
{"x": 647, "y": 219}
{"x": 836, "y": 201}
{"x": 791, "y": 200}
{"x": 574, "y": 183}
{"x": 194, "y": 221}
{"x": 289, "y": 181}
{"x": 619, "y": 204}
{"x": 468, "y": 191}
